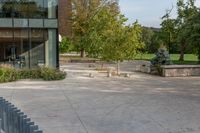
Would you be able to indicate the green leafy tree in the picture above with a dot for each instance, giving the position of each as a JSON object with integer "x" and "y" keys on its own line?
{"x": 168, "y": 32}
{"x": 124, "y": 42}
{"x": 186, "y": 11}
{"x": 96, "y": 35}
{"x": 83, "y": 12}
{"x": 157, "y": 41}
{"x": 177, "y": 31}
{"x": 66, "y": 45}
{"x": 193, "y": 33}
{"x": 147, "y": 37}
{"x": 101, "y": 32}
{"x": 109, "y": 39}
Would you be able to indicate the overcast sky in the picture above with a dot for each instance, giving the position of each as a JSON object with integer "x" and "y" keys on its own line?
{"x": 147, "y": 12}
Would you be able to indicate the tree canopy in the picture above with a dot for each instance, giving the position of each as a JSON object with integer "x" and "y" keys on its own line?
{"x": 180, "y": 31}
{"x": 84, "y": 12}
{"x": 100, "y": 30}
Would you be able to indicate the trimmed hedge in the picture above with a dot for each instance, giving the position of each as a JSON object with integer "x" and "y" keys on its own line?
{"x": 48, "y": 74}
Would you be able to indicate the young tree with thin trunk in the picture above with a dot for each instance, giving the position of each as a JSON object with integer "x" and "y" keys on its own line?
{"x": 124, "y": 42}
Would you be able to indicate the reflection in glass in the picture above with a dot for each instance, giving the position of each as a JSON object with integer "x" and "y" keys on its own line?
{"x": 5, "y": 8}
{"x": 20, "y": 9}
{"x": 37, "y": 48}
{"x": 28, "y": 8}
{"x": 33, "y": 45}
{"x": 36, "y": 9}
{"x": 6, "y": 37}
{"x": 21, "y": 43}
{"x": 22, "y": 48}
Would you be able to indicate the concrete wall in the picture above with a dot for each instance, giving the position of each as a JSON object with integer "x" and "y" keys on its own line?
{"x": 181, "y": 70}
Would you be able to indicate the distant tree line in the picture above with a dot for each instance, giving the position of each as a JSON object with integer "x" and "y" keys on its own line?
{"x": 179, "y": 35}
{"x": 99, "y": 29}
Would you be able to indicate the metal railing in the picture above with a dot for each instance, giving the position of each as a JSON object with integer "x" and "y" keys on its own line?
{"x": 12, "y": 120}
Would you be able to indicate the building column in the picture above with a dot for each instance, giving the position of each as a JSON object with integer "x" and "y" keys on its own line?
{"x": 51, "y": 49}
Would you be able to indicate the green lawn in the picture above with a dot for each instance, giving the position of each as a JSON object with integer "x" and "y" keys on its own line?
{"x": 189, "y": 58}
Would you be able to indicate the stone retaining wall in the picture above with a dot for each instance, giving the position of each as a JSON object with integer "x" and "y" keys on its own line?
{"x": 180, "y": 70}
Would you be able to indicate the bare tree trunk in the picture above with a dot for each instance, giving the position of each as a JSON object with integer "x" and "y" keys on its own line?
{"x": 118, "y": 67}
{"x": 82, "y": 53}
{"x": 182, "y": 52}
{"x": 181, "y": 56}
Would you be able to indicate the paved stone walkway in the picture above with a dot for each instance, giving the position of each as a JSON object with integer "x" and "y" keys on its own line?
{"x": 141, "y": 104}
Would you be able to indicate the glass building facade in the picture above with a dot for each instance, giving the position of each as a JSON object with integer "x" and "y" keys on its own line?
{"x": 29, "y": 33}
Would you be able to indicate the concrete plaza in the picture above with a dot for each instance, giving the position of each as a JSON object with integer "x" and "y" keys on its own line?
{"x": 140, "y": 104}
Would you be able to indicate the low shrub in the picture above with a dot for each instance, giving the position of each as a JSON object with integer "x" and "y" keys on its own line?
{"x": 29, "y": 74}
{"x": 52, "y": 74}
{"x": 48, "y": 74}
{"x": 7, "y": 74}
{"x": 162, "y": 58}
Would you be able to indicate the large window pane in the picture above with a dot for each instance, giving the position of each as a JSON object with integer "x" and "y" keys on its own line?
{"x": 20, "y": 8}
{"x": 37, "y": 47}
{"x": 28, "y": 48}
{"x": 1, "y": 8}
{"x": 29, "y": 8}
{"x": 6, "y": 40}
{"x": 21, "y": 42}
{"x": 36, "y": 9}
